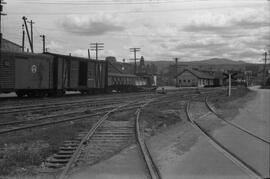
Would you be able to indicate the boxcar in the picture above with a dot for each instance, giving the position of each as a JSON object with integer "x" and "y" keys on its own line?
{"x": 126, "y": 82}
{"x": 25, "y": 73}
{"x": 53, "y": 74}
{"x": 80, "y": 74}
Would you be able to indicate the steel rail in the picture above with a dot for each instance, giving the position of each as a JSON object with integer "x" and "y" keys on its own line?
{"x": 225, "y": 151}
{"x": 211, "y": 109}
{"x": 86, "y": 139}
{"x": 56, "y": 115}
{"x": 17, "y": 109}
{"x": 151, "y": 166}
{"x": 60, "y": 121}
{"x": 53, "y": 115}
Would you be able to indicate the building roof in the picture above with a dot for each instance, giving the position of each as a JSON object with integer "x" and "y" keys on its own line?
{"x": 198, "y": 74}
{"x": 121, "y": 75}
{"x": 10, "y": 42}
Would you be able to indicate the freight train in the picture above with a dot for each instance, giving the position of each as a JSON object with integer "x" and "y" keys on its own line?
{"x": 49, "y": 74}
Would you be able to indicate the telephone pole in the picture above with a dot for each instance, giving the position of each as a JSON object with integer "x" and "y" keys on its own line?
{"x": 32, "y": 37}
{"x": 23, "y": 37}
{"x": 43, "y": 40}
{"x": 88, "y": 53}
{"x": 1, "y": 14}
{"x": 135, "y": 50}
{"x": 264, "y": 67}
{"x": 123, "y": 66}
{"x": 26, "y": 27}
{"x": 176, "y": 67}
{"x": 96, "y": 47}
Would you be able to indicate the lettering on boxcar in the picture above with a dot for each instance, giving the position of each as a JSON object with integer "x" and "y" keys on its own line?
{"x": 34, "y": 68}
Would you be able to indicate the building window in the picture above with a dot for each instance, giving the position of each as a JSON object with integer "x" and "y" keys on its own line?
{"x": 189, "y": 81}
{"x": 184, "y": 80}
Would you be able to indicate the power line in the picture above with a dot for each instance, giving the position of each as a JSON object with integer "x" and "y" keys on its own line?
{"x": 131, "y": 12}
{"x": 23, "y": 37}
{"x": 32, "y": 36}
{"x": 104, "y": 2}
{"x": 96, "y": 47}
{"x": 135, "y": 50}
{"x": 29, "y": 38}
{"x": 43, "y": 40}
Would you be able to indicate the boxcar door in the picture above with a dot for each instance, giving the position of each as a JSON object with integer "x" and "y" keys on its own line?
{"x": 82, "y": 74}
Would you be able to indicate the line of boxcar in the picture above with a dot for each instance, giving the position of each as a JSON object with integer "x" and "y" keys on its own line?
{"x": 53, "y": 74}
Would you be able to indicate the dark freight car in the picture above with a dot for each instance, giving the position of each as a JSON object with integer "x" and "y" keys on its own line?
{"x": 53, "y": 74}
{"x": 80, "y": 74}
{"x": 25, "y": 73}
{"x": 126, "y": 82}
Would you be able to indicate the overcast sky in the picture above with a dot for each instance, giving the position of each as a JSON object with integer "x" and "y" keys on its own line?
{"x": 163, "y": 29}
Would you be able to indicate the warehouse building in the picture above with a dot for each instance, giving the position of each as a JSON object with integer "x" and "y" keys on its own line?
{"x": 10, "y": 46}
{"x": 194, "y": 78}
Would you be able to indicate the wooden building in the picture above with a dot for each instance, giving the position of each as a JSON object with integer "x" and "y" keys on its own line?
{"x": 194, "y": 78}
{"x": 10, "y": 46}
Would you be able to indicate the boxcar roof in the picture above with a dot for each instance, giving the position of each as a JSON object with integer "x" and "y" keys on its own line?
{"x": 24, "y": 54}
{"x": 73, "y": 57}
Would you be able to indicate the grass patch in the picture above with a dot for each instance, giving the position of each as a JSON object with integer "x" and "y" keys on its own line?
{"x": 25, "y": 150}
{"x": 161, "y": 115}
{"x": 228, "y": 106}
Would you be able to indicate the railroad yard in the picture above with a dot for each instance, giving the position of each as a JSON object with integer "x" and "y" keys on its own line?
{"x": 133, "y": 135}
{"x": 141, "y": 89}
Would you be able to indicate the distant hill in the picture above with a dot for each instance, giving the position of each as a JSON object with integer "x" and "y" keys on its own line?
{"x": 163, "y": 65}
{"x": 218, "y": 61}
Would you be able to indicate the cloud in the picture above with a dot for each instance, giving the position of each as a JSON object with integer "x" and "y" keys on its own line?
{"x": 228, "y": 21}
{"x": 202, "y": 42}
{"x": 92, "y": 25}
{"x": 54, "y": 46}
{"x": 80, "y": 53}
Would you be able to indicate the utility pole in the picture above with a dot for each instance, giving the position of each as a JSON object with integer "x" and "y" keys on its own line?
{"x": 89, "y": 54}
{"x": 23, "y": 37}
{"x": 264, "y": 67}
{"x": 43, "y": 40}
{"x": 123, "y": 67}
{"x": 230, "y": 84}
{"x": 26, "y": 27}
{"x": 134, "y": 50}
{"x": 32, "y": 37}
{"x": 96, "y": 47}
{"x": 1, "y": 14}
{"x": 176, "y": 67}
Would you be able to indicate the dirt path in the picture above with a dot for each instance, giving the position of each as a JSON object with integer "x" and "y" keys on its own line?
{"x": 255, "y": 118}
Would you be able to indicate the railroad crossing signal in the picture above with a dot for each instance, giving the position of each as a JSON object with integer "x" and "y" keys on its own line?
{"x": 230, "y": 76}
{"x": 233, "y": 75}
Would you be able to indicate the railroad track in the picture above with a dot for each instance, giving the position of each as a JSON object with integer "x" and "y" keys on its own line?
{"x": 58, "y": 119}
{"x": 55, "y": 105}
{"x": 151, "y": 166}
{"x": 212, "y": 110}
{"x": 252, "y": 172}
{"x": 69, "y": 154}
{"x": 52, "y": 119}
{"x": 105, "y": 136}
{"x": 30, "y": 100}
{"x": 55, "y": 102}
